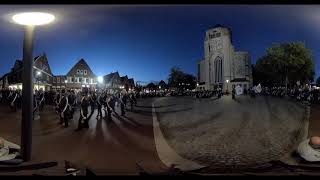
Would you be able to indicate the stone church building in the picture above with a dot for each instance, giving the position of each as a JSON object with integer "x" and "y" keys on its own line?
{"x": 222, "y": 66}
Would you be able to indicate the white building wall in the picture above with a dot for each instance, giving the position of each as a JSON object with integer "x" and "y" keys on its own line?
{"x": 234, "y": 63}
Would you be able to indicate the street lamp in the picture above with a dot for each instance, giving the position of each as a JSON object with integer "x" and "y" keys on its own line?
{"x": 227, "y": 84}
{"x": 100, "y": 79}
{"x": 29, "y": 20}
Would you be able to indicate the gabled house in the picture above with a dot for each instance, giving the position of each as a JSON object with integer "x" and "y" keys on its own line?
{"x": 42, "y": 75}
{"x": 131, "y": 83}
{"x": 125, "y": 82}
{"x": 80, "y": 76}
{"x": 4, "y": 81}
{"x": 113, "y": 80}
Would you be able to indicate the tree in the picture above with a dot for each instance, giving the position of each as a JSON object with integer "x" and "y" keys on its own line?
{"x": 318, "y": 82}
{"x": 151, "y": 86}
{"x": 181, "y": 80}
{"x": 162, "y": 85}
{"x": 175, "y": 77}
{"x": 285, "y": 64}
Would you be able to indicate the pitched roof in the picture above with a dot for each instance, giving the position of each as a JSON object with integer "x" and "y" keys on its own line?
{"x": 124, "y": 78}
{"x": 18, "y": 63}
{"x": 81, "y": 61}
{"x": 2, "y": 77}
{"x": 131, "y": 81}
{"x": 110, "y": 76}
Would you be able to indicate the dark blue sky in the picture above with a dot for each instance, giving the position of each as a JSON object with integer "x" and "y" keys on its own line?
{"x": 144, "y": 42}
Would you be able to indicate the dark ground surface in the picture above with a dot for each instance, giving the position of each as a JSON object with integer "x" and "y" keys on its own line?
{"x": 106, "y": 147}
{"x": 113, "y": 148}
{"x": 314, "y": 123}
{"x": 231, "y": 134}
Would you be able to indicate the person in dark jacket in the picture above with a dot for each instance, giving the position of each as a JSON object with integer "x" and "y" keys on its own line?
{"x": 65, "y": 109}
{"x": 92, "y": 100}
{"x": 83, "y": 119}
{"x": 13, "y": 99}
{"x": 109, "y": 108}
{"x": 122, "y": 99}
{"x": 41, "y": 100}
{"x": 233, "y": 93}
{"x": 99, "y": 103}
{"x": 72, "y": 99}
{"x": 131, "y": 102}
{"x": 134, "y": 99}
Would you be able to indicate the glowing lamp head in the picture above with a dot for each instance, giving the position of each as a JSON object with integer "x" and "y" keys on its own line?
{"x": 38, "y": 73}
{"x": 100, "y": 79}
{"x": 33, "y": 18}
{"x": 227, "y": 80}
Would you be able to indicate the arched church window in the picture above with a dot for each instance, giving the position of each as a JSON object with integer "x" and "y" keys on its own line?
{"x": 218, "y": 69}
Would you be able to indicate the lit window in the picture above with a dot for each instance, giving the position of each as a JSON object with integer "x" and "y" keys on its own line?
{"x": 58, "y": 79}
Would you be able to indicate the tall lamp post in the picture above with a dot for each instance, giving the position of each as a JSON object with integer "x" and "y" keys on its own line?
{"x": 29, "y": 20}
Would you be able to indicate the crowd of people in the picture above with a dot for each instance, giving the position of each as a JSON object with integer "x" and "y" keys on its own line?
{"x": 301, "y": 94}
{"x": 66, "y": 103}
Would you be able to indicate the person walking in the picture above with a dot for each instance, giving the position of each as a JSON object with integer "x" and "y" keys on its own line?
{"x": 92, "y": 99}
{"x": 99, "y": 103}
{"x": 109, "y": 107}
{"x": 66, "y": 109}
{"x": 83, "y": 119}
{"x": 131, "y": 102}
{"x": 122, "y": 99}
{"x": 233, "y": 93}
{"x": 41, "y": 100}
{"x": 13, "y": 103}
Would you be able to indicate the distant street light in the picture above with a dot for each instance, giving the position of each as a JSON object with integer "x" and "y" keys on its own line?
{"x": 227, "y": 84}
{"x": 100, "y": 79}
{"x": 29, "y": 20}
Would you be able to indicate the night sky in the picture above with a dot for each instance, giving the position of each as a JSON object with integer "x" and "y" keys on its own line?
{"x": 144, "y": 42}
